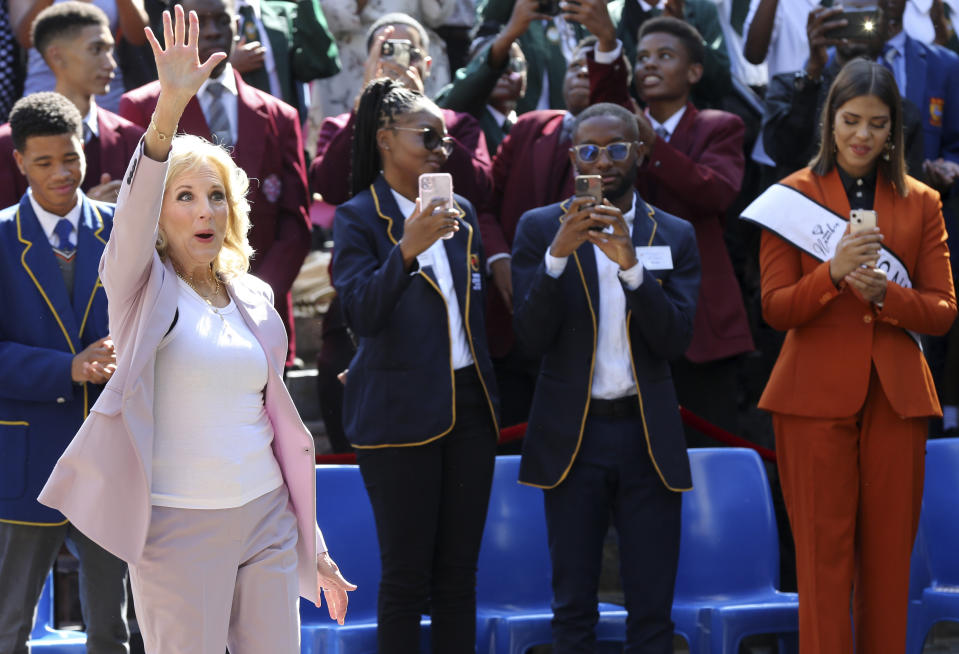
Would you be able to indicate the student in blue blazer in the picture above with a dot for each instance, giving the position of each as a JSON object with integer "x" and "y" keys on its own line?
{"x": 606, "y": 295}
{"x": 56, "y": 355}
{"x": 420, "y": 399}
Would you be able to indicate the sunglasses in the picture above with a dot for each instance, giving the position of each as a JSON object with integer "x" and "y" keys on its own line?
{"x": 431, "y": 138}
{"x": 589, "y": 153}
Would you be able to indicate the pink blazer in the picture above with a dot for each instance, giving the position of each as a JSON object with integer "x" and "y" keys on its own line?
{"x": 102, "y": 481}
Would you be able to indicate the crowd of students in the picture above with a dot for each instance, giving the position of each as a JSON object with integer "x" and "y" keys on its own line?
{"x": 522, "y": 301}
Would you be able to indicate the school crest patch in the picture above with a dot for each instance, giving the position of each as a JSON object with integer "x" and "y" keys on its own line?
{"x": 936, "y": 106}
{"x": 272, "y": 187}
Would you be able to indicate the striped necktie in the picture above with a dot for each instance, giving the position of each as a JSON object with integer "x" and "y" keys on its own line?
{"x": 216, "y": 118}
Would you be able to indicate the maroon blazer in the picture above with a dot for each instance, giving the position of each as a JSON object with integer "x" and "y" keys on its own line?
{"x": 696, "y": 175}
{"x": 531, "y": 169}
{"x": 469, "y": 164}
{"x": 269, "y": 148}
{"x": 109, "y": 152}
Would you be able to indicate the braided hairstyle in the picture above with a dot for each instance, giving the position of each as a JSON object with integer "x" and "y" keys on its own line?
{"x": 383, "y": 100}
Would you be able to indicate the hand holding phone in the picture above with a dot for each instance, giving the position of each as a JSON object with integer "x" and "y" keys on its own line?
{"x": 399, "y": 50}
{"x": 861, "y": 25}
{"x": 590, "y": 186}
{"x": 437, "y": 185}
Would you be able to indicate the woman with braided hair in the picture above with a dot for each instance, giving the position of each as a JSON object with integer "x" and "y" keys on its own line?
{"x": 420, "y": 401}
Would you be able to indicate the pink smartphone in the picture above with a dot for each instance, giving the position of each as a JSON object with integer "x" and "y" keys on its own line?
{"x": 437, "y": 185}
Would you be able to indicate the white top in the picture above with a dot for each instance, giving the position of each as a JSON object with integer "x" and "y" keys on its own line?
{"x": 92, "y": 122}
{"x": 749, "y": 74}
{"x": 212, "y": 439}
{"x": 229, "y": 98}
{"x": 788, "y": 45}
{"x": 48, "y": 221}
{"x": 613, "y": 372}
{"x": 435, "y": 256}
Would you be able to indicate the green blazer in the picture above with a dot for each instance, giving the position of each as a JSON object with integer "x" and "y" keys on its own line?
{"x": 541, "y": 55}
{"x": 716, "y": 82}
{"x": 303, "y": 48}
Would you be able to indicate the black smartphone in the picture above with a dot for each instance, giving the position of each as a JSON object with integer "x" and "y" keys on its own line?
{"x": 861, "y": 24}
{"x": 590, "y": 186}
{"x": 548, "y": 7}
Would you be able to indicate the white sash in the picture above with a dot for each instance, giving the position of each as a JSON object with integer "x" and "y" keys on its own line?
{"x": 814, "y": 229}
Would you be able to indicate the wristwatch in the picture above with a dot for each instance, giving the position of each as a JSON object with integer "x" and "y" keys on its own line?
{"x": 802, "y": 81}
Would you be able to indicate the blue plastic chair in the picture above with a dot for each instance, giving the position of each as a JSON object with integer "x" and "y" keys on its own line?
{"x": 44, "y": 638}
{"x": 513, "y": 591}
{"x": 935, "y": 557}
{"x": 729, "y": 555}
{"x": 350, "y": 533}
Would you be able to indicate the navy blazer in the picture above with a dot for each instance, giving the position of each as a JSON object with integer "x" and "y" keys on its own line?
{"x": 932, "y": 74}
{"x": 556, "y": 318}
{"x": 400, "y": 389}
{"x": 41, "y": 330}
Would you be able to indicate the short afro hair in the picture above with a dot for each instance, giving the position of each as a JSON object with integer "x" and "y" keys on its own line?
{"x": 43, "y": 114}
{"x": 690, "y": 37}
{"x": 65, "y": 19}
{"x": 607, "y": 109}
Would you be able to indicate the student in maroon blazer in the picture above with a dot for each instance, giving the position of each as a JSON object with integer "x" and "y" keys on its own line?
{"x": 469, "y": 163}
{"x": 267, "y": 146}
{"x": 694, "y": 169}
{"x": 75, "y": 40}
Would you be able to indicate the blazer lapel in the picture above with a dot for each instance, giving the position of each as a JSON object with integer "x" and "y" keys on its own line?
{"x": 193, "y": 121}
{"x": 916, "y": 71}
{"x": 248, "y": 151}
{"x": 86, "y": 280}
{"x": 459, "y": 260}
{"x": 39, "y": 262}
{"x": 645, "y": 225}
{"x": 682, "y": 136}
{"x": 255, "y": 313}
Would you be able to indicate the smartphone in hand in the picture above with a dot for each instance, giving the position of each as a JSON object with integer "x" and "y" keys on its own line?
{"x": 437, "y": 185}
{"x": 590, "y": 186}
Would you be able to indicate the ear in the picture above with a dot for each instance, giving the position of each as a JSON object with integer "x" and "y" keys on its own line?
{"x": 694, "y": 73}
{"x": 383, "y": 140}
{"x": 53, "y": 55}
{"x": 642, "y": 150}
{"x": 18, "y": 158}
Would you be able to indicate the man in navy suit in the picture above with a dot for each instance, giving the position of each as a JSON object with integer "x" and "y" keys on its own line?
{"x": 592, "y": 282}
{"x": 263, "y": 134}
{"x": 75, "y": 41}
{"x": 56, "y": 356}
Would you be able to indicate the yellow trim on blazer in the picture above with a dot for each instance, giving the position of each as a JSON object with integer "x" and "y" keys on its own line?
{"x": 389, "y": 227}
{"x": 592, "y": 365}
{"x": 23, "y": 262}
{"x": 466, "y": 324}
{"x": 15, "y": 423}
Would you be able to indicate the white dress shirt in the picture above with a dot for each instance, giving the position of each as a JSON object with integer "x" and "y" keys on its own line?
{"x": 897, "y": 57}
{"x": 435, "y": 256}
{"x": 917, "y": 23}
{"x": 669, "y": 125}
{"x": 613, "y": 371}
{"x": 91, "y": 122}
{"x": 48, "y": 221}
{"x": 230, "y": 98}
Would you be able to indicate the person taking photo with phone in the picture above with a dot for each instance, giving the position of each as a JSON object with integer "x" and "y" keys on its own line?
{"x": 851, "y": 392}
{"x": 420, "y": 398}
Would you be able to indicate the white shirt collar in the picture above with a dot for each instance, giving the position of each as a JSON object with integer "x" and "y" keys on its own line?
{"x": 501, "y": 118}
{"x": 670, "y": 123}
{"x": 898, "y": 42}
{"x": 48, "y": 221}
{"x": 226, "y": 78}
{"x": 645, "y": 6}
{"x": 90, "y": 120}
{"x": 405, "y": 206}
{"x": 630, "y": 216}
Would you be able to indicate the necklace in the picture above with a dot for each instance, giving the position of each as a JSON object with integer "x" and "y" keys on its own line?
{"x": 216, "y": 292}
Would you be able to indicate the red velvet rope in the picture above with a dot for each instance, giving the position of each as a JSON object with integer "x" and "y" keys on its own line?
{"x": 515, "y": 432}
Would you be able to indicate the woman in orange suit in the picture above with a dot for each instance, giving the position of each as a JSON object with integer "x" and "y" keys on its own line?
{"x": 851, "y": 392}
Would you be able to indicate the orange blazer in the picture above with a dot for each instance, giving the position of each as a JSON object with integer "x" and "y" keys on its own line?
{"x": 834, "y": 337}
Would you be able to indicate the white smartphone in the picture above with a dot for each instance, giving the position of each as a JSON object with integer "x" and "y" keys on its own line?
{"x": 437, "y": 185}
{"x": 861, "y": 219}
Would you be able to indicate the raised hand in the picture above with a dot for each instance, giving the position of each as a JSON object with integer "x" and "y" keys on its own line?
{"x": 614, "y": 240}
{"x": 424, "y": 227}
{"x": 180, "y": 73}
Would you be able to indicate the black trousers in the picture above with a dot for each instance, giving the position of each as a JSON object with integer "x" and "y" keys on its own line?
{"x": 613, "y": 474}
{"x": 429, "y": 503}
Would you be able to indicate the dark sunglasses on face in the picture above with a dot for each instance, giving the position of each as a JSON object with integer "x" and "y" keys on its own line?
{"x": 431, "y": 138}
{"x": 589, "y": 153}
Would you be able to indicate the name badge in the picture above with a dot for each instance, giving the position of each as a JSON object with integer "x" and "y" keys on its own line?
{"x": 477, "y": 282}
{"x": 655, "y": 257}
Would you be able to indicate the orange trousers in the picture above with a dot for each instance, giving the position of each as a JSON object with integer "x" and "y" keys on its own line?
{"x": 853, "y": 491}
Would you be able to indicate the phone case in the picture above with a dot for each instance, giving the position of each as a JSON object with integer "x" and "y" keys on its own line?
{"x": 861, "y": 220}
